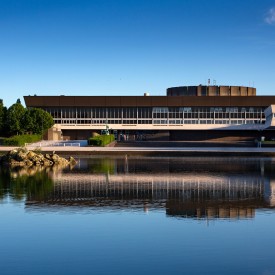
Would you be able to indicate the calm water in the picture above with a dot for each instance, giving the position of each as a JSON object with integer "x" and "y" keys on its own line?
{"x": 140, "y": 216}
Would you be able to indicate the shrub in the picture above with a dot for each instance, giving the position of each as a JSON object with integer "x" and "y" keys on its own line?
{"x": 20, "y": 140}
{"x": 2, "y": 140}
{"x": 101, "y": 140}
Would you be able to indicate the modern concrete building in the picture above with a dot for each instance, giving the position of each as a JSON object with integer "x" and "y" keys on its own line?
{"x": 186, "y": 113}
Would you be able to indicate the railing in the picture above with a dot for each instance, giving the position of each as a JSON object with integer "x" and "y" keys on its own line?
{"x": 52, "y": 144}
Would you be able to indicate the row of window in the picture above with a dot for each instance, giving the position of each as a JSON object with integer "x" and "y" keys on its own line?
{"x": 154, "y": 121}
{"x": 207, "y": 109}
{"x": 159, "y": 112}
{"x": 210, "y": 115}
{"x": 158, "y": 115}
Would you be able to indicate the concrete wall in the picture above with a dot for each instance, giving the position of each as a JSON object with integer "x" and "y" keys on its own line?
{"x": 218, "y": 135}
{"x": 251, "y": 91}
{"x": 182, "y": 135}
{"x": 224, "y": 91}
{"x": 213, "y": 91}
{"x": 203, "y": 90}
{"x": 235, "y": 91}
{"x": 54, "y": 133}
{"x": 77, "y": 134}
{"x": 243, "y": 91}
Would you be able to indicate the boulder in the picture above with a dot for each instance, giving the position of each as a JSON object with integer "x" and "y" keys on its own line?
{"x": 23, "y": 157}
{"x": 47, "y": 162}
{"x": 28, "y": 162}
{"x": 30, "y": 154}
{"x": 72, "y": 160}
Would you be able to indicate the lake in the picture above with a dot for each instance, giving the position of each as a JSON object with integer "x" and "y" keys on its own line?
{"x": 131, "y": 215}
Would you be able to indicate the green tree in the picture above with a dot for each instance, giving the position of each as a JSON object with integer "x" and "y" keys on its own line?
{"x": 28, "y": 122}
{"x": 14, "y": 120}
{"x": 19, "y": 120}
{"x": 41, "y": 120}
{"x": 3, "y": 111}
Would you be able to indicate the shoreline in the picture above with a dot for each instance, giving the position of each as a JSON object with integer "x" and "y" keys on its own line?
{"x": 153, "y": 151}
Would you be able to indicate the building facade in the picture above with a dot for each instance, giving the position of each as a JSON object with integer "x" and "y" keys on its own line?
{"x": 185, "y": 113}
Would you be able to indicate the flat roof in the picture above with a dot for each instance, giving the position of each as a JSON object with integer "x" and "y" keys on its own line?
{"x": 148, "y": 101}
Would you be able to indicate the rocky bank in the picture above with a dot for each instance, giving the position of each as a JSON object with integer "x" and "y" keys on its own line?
{"x": 24, "y": 157}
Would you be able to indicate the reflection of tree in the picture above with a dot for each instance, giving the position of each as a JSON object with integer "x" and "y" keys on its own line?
{"x": 21, "y": 183}
{"x": 103, "y": 166}
{"x": 4, "y": 182}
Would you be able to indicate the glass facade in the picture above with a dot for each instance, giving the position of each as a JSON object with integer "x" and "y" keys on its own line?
{"x": 157, "y": 115}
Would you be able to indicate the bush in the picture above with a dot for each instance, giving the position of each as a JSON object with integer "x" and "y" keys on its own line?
{"x": 2, "y": 140}
{"x": 101, "y": 140}
{"x": 21, "y": 140}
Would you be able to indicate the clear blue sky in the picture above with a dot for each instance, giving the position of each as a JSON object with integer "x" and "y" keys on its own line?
{"x": 128, "y": 47}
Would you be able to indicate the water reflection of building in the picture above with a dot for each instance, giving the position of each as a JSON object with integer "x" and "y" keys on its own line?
{"x": 270, "y": 186}
{"x": 199, "y": 195}
{"x": 217, "y": 209}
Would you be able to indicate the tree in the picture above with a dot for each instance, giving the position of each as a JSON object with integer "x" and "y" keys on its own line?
{"x": 3, "y": 111}
{"x": 15, "y": 119}
{"x": 19, "y": 120}
{"x": 28, "y": 122}
{"x": 41, "y": 120}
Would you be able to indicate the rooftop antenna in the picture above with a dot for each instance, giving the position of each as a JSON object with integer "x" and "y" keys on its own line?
{"x": 208, "y": 81}
{"x": 214, "y": 82}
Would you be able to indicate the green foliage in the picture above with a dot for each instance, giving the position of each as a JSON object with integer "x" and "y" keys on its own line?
{"x": 1, "y": 140}
{"x": 28, "y": 121}
{"x": 40, "y": 120}
{"x": 3, "y": 113}
{"x": 14, "y": 119}
{"x": 20, "y": 140}
{"x": 101, "y": 140}
{"x": 18, "y": 120}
